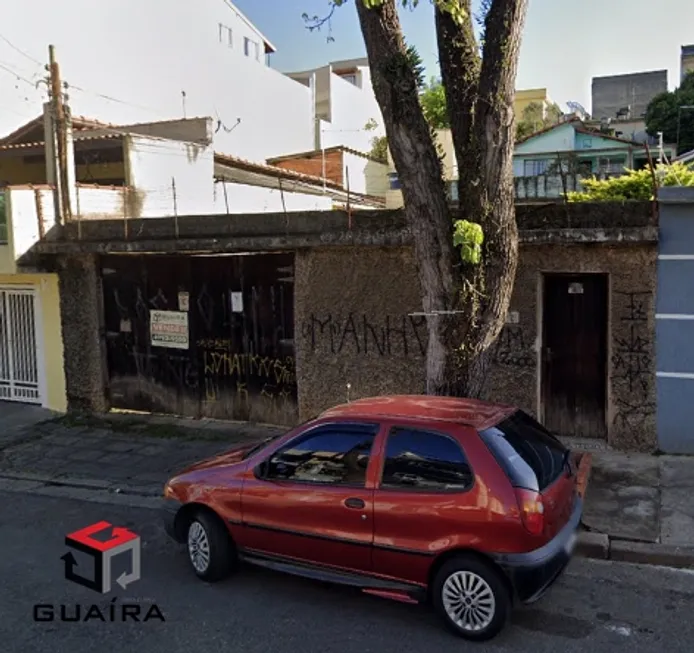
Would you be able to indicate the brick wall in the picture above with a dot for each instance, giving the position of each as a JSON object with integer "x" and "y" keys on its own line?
{"x": 312, "y": 164}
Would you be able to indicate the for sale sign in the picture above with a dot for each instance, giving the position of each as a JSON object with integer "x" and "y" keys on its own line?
{"x": 169, "y": 329}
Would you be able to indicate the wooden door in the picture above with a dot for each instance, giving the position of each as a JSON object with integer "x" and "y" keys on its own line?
{"x": 574, "y": 354}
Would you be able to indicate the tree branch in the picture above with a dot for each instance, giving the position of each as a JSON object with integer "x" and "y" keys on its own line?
{"x": 495, "y": 139}
{"x": 460, "y": 69}
{"x": 496, "y": 93}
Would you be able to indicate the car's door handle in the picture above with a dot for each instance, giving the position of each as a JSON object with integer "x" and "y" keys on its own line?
{"x": 357, "y": 504}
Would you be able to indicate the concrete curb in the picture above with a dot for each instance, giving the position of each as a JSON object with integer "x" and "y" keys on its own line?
{"x": 599, "y": 546}
{"x": 96, "y": 485}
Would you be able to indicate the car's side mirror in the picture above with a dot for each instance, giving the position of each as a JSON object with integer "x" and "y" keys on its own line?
{"x": 261, "y": 470}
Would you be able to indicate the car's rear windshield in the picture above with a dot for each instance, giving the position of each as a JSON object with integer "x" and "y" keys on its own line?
{"x": 529, "y": 454}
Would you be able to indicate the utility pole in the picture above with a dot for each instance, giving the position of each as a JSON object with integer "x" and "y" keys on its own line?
{"x": 59, "y": 122}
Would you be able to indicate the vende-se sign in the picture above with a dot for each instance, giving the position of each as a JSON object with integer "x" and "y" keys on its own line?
{"x": 169, "y": 329}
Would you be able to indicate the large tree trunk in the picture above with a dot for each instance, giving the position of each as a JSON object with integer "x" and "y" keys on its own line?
{"x": 465, "y": 304}
{"x": 419, "y": 170}
{"x": 483, "y": 134}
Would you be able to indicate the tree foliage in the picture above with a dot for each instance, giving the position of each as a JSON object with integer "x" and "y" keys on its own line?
{"x": 433, "y": 99}
{"x": 665, "y": 111}
{"x": 634, "y": 185}
{"x": 534, "y": 118}
{"x": 379, "y": 149}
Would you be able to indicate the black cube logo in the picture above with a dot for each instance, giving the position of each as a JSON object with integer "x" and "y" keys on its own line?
{"x": 121, "y": 540}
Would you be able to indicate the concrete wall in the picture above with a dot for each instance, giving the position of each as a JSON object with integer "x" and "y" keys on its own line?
{"x": 365, "y": 176}
{"x": 192, "y": 130}
{"x": 23, "y": 204}
{"x": 610, "y": 94}
{"x": 675, "y": 325}
{"x": 351, "y": 108}
{"x": 241, "y": 198}
{"x": 352, "y": 325}
{"x": 357, "y": 292}
{"x": 170, "y": 177}
{"x": 81, "y": 318}
{"x": 631, "y": 335}
{"x": 218, "y": 80}
{"x": 363, "y": 335}
{"x": 89, "y": 203}
{"x": 342, "y": 109}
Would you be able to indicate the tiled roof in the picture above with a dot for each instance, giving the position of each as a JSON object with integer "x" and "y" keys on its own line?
{"x": 27, "y": 146}
{"x": 594, "y": 132}
{"x": 312, "y": 153}
{"x": 262, "y": 168}
{"x": 582, "y": 129}
{"x": 290, "y": 175}
{"x": 570, "y": 121}
{"x": 78, "y": 123}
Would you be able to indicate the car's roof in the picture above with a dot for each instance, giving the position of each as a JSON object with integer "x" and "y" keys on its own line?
{"x": 469, "y": 412}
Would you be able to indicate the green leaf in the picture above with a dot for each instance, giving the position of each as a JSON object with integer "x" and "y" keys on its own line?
{"x": 469, "y": 237}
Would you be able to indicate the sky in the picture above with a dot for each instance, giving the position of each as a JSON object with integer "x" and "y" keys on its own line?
{"x": 565, "y": 44}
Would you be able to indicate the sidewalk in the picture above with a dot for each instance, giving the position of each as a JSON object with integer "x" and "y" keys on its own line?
{"x": 119, "y": 452}
{"x": 638, "y": 508}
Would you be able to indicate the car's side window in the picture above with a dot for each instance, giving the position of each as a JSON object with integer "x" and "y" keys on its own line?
{"x": 333, "y": 455}
{"x": 422, "y": 460}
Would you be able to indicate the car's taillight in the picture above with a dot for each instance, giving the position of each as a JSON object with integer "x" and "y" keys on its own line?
{"x": 532, "y": 510}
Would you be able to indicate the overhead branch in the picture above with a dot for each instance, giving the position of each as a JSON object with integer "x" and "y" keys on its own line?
{"x": 460, "y": 63}
{"x": 494, "y": 114}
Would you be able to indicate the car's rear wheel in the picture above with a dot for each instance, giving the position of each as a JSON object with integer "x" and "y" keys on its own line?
{"x": 211, "y": 550}
{"x": 472, "y": 598}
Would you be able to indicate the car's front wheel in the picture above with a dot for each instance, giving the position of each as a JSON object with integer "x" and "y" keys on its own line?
{"x": 472, "y": 598}
{"x": 211, "y": 550}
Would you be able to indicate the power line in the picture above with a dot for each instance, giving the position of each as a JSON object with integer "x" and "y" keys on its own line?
{"x": 24, "y": 54}
{"x": 17, "y": 75}
{"x": 77, "y": 88}
{"x": 17, "y": 113}
{"x": 110, "y": 98}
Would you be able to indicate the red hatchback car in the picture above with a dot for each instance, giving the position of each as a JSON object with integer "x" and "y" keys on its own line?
{"x": 471, "y": 505}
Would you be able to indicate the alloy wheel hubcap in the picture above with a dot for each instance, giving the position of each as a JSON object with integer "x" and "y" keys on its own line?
{"x": 198, "y": 547}
{"x": 468, "y": 601}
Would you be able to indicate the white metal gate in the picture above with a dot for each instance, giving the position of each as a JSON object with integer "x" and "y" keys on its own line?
{"x": 19, "y": 368}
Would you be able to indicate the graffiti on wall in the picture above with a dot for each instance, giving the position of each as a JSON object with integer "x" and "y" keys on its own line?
{"x": 632, "y": 361}
{"x": 512, "y": 349}
{"x": 356, "y": 333}
{"x": 224, "y": 369}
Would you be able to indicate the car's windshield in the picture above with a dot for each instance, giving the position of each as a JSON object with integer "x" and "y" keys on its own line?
{"x": 263, "y": 443}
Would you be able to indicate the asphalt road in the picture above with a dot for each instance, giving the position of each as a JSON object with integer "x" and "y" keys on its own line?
{"x": 596, "y": 607}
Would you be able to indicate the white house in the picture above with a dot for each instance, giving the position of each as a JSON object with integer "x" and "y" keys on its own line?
{"x": 344, "y": 104}
{"x": 148, "y": 61}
